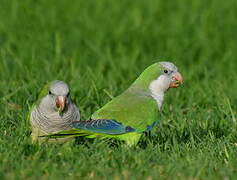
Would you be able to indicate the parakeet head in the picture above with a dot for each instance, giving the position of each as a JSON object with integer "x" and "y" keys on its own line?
{"x": 157, "y": 79}
{"x": 57, "y": 97}
{"x": 168, "y": 77}
{"x": 160, "y": 76}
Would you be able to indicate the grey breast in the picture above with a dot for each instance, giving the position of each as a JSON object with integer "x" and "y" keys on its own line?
{"x": 49, "y": 122}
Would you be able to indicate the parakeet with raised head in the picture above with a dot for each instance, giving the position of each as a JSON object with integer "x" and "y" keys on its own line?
{"x": 53, "y": 111}
{"x": 135, "y": 111}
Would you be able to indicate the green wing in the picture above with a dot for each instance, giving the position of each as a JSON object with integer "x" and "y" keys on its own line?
{"x": 131, "y": 109}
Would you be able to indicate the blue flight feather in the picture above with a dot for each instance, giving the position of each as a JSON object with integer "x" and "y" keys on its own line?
{"x": 106, "y": 126}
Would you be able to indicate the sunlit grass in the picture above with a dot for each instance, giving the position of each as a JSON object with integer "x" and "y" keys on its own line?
{"x": 99, "y": 48}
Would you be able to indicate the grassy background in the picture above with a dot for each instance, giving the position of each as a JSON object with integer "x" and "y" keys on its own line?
{"x": 100, "y": 47}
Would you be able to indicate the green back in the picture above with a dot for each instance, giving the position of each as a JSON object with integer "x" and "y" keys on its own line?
{"x": 135, "y": 107}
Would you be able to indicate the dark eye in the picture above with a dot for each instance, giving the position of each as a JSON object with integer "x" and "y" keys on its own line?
{"x": 50, "y": 92}
{"x": 68, "y": 94}
{"x": 165, "y": 71}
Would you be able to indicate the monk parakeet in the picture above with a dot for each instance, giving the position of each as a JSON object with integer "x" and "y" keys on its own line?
{"x": 53, "y": 111}
{"x": 135, "y": 111}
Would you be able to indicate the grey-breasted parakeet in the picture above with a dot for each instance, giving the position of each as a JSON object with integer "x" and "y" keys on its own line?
{"x": 53, "y": 111}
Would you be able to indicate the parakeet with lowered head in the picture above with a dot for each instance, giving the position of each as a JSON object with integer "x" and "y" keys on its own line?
{"x": 135, "y": 111}
{"x": 53, "y": 111}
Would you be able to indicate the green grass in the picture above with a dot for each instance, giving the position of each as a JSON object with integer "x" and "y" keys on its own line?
{"x": 99, "y": 48}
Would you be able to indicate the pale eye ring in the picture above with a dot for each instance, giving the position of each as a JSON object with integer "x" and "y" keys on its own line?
{"x": 166, "y": 71}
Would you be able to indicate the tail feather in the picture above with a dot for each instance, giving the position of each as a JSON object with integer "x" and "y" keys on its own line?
{"x": 70, "y": 133}
{"x": 101, "y": 128}
{"x": 130, "y": 138}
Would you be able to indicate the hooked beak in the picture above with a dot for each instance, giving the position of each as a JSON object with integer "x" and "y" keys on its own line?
{"x": 60, "y": 103}
{"x": 177, "y": 79}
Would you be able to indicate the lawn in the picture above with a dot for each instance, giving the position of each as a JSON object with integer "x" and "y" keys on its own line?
{"x": 99, "y": 48}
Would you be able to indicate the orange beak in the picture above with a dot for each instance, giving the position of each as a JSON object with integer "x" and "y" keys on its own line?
{"x": 60, "y": 102}
{"x": 177, "y": 79}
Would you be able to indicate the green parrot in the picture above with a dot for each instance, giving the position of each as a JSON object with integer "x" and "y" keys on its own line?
{"x": 135, "y": 111}
{"x": 53, "y": 111}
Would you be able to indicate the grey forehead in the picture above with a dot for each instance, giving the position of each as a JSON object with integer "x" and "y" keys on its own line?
{"x": 59, "y": 88}
{"x": 169, "y": 65}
